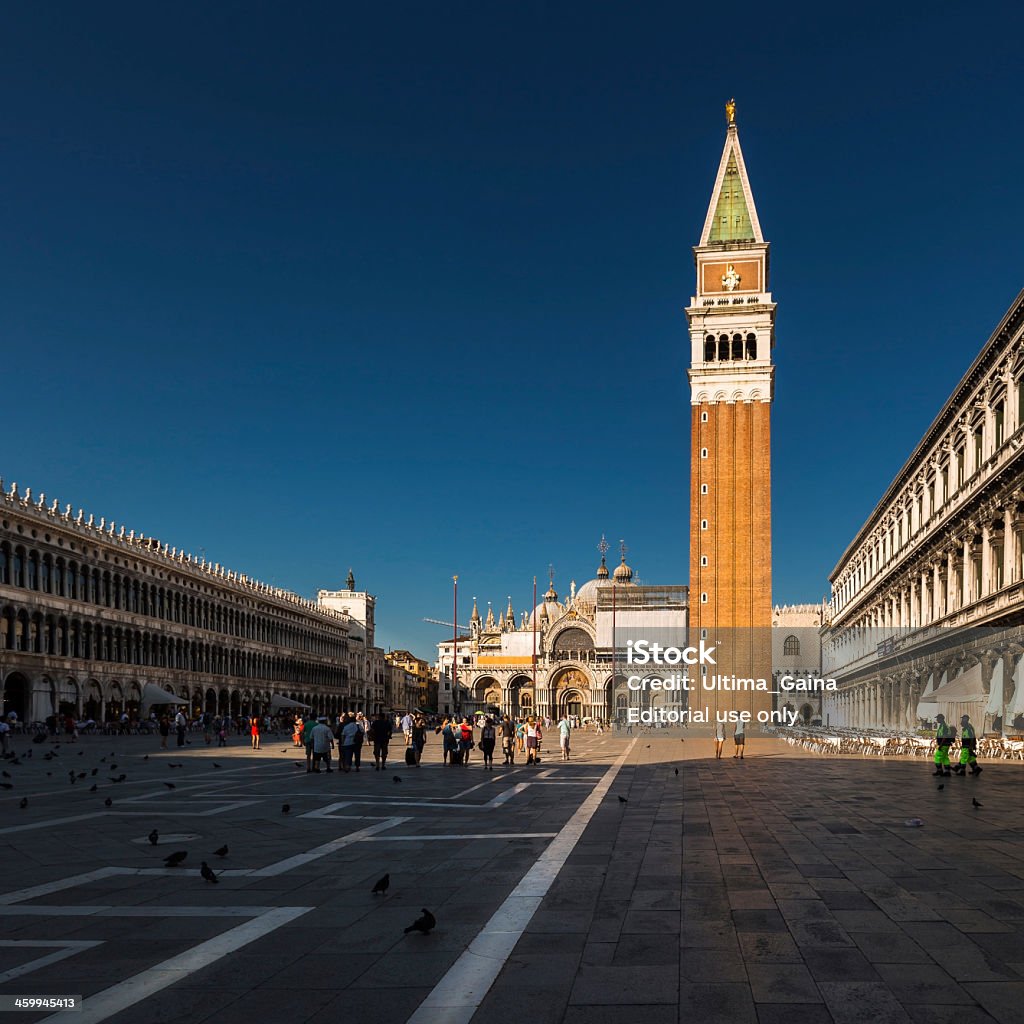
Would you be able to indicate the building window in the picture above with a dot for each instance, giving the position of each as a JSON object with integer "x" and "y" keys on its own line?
{"x": 961, "y": 459}
{"x": 703, "y": 598}
{"x": 703, "y": 634}
{"x": 703, "y": 561}
{"x": 703, "y": 524}
{"x": 999, "y": 421}
{"x": 703, "y": 488}
{"x": 703, "y": 453}
{"x": 704, "y": 417}
{"x": 979, "y": 439}
{"x": 791, "y": 645}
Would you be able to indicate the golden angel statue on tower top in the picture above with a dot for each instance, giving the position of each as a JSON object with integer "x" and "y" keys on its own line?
{"x": 730, "y": 111}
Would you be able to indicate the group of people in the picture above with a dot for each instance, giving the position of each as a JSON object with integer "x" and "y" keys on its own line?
{"x": 518, "y": 735}
{"x": 350, "y": 733}
{"x": 945, "y": 737}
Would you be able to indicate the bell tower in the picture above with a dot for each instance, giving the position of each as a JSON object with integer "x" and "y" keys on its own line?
{"x": 732, "y": 326}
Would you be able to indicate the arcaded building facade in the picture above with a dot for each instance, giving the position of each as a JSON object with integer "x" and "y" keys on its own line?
{"x": 89, "y": 614}
{"x": 928, "y": 599}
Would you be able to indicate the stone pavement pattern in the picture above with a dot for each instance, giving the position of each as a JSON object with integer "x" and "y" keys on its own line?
{"x": 783, "y": 888}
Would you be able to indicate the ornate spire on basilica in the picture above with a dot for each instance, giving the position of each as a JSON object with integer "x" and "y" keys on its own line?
{"x": 490, "y": 623}
{"x": 623, "y": 573}
{"x": 552, "y": 594}
{"x": 602, "y": 569}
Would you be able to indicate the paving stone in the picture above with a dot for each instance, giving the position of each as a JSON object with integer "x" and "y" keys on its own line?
{"x": 716, "y": 1004}
{"x": 782, "y": 983}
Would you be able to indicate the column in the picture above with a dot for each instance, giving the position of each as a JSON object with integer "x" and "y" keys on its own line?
{"x": 986, "y": 560}
{"x": 1009, "y": 545}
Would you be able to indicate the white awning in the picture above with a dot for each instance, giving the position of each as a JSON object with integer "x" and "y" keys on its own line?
{"x": 963, "y": 688}
{"x": 279, "y": 701}
{"x": 153, "y": 694}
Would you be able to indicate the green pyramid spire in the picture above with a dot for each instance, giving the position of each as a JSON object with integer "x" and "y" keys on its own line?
{"x": 732, "y": 218}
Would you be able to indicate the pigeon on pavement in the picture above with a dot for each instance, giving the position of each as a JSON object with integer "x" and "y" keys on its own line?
{"x": 153, "y": 837}
{"x": 381, "y": 885}
{"x": 422, "y": 924}
{"x": 207, "y": 872}
{"x": 172, "y": 860}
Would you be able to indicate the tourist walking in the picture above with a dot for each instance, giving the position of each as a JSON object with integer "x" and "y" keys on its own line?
{"x": 407, "y": 727}
{"x": 347, "y": 742}
{"x": 466, "y": 743}
{"x": 449, "y": 742}
{"x": 533, "y": 737}
{"x": 357, "y": 747}
{"x": 719, "y": 740}
{"x": 381, "y": 731}
{"x": 419, "y": 737}
{"x": 508, "y": 740}
{"x": 254, "y": 729}
{"x": 564, "y": 730}
{"x": 739, "y": 738}
{"x": 322, "y": 742}
{"x": 488, "y": 737}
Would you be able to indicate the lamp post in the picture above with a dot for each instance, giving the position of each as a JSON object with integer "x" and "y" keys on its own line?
{"x": 455, "y": 645}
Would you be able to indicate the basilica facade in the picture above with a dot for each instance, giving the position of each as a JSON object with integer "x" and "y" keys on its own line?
{"x": 567, "y": 656}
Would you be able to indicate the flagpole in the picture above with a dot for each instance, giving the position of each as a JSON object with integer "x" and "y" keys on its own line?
{"x": 455, "y": 644}
{"x": 534, "y": 642}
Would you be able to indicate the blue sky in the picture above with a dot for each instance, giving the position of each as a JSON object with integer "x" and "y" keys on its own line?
{"x": 401, "y": 286}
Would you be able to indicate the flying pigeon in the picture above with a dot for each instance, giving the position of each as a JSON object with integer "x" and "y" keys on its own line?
{"x": 975, "y": 804}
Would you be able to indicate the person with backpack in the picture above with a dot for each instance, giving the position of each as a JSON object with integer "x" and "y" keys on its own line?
{"x": 488, "y": 737}
{"x": 381, "y": 731}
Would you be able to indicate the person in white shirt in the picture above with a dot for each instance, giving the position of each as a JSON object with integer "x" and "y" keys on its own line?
{"x": 180, "y": 724}
{"x": 719, "y": 740}
{"x": 347, "y": 736}
{"x": 323, "y": 744}
{"x": 407, "y": 723}
{"x": 564, "y": 731}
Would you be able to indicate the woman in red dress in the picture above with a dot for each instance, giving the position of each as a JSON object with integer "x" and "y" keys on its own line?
{"x": 255, "y": 724}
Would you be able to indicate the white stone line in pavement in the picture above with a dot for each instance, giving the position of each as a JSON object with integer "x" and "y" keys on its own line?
{"x": 191, "y": 812}
{"x": 42, "y": 794}
{"x": 149, "y": 910}
{"x": 458, "y": 995}
{"x": 271, "y": 870}
{"x": 547, "y": 773}
{"x": 133, "y": 990}
{"x": 497, "y": 801}
{"x": 62, "y": 949}
{"x": 468, "y": 835}
{"x": 50, "y": 822}
{"x": 300, "y": 859}
{"x": 35, "y": 891}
